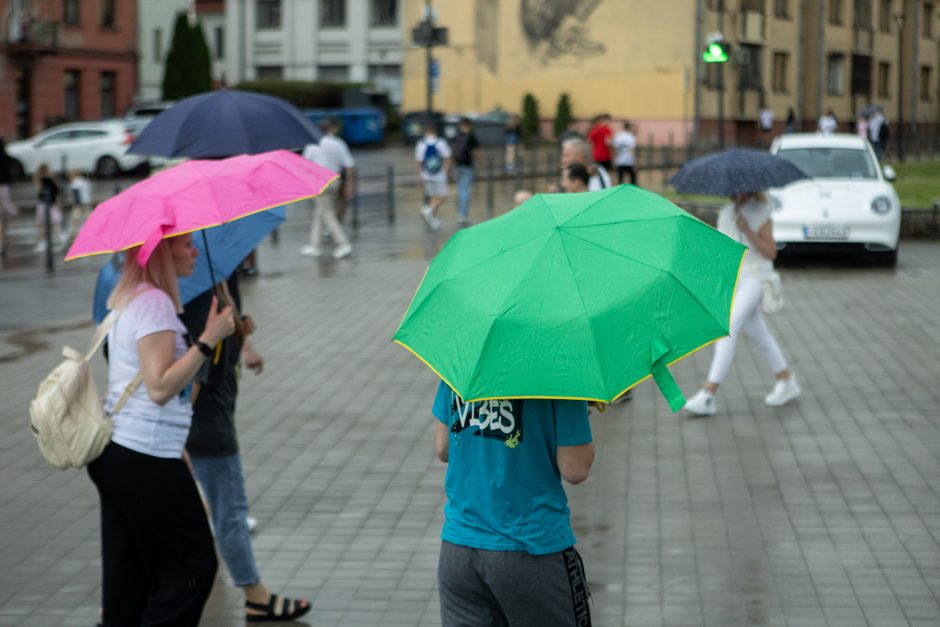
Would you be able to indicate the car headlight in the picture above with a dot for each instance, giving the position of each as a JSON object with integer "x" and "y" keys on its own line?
{"x": 881, "y": 205}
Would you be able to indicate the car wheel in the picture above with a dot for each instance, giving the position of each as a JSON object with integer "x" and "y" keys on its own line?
{"x": 16, "y": 170}
{"x": 107, "y": 167}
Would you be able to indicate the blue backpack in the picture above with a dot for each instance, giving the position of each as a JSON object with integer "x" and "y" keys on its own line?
{"x": 432, "y": 161}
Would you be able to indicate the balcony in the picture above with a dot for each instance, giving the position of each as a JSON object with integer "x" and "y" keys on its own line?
{"x": 29, "y": 38}
{"x": 864, "y": 39}
{"x": 752, "y": 27}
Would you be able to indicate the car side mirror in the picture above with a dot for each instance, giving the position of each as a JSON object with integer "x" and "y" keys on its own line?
{"x": 889, "y": 173}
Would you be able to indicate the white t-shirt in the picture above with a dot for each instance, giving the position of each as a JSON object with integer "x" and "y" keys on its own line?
{"x": 332, "y": 153}
{"x": 142, "y": 425}
{"x": 81, "y": 190}
{"x": 757, "y": 215}
{"x": 599, "y": 181}
{"x": 443, "y": 151}
{"x": 827, "y": 125}
{"x": 624, "y": 146}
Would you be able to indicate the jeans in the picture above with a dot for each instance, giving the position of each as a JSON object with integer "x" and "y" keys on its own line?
{"x": 224, "y": 487}
{"x": 464, "y": 183}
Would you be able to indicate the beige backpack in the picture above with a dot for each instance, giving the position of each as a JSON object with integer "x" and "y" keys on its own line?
{"x": 67, "y": 416}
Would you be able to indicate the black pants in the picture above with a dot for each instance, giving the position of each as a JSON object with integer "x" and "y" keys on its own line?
{"x": 158, "y": 555}
{"x": 626, "y": 169}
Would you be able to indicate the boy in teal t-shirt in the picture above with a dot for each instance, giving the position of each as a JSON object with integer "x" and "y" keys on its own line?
{"x": 508, "y": 554}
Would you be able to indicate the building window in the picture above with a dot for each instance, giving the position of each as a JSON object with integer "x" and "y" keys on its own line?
{"x": 835, "y": 12}
{"x": 72, "y": 94}
{"x": 782, "y": 9}
{"x": 333, "y": 13}
{"x": 749, "y": 70}
{"x": 886, "y": 16}
{"x": 753, "y": 6}
{"x": 333, "y": 73}
{"x": 884, "y": 80}
{"x": 927, "y": 21}
{"x": 716, "y": 5}
{"x": 781, "y": 60}
{"x": 384, "y": 13}
{"x": 269, "y": 72}
{"x": 862, "y": 14}
{"x": 107, "y": 13}
{"x": 219, "y": 43}
{"x": 157, "y": 45}
{"x": 108, "y": 79}
{"x": 925, "y": 83}
{"x": 268, "y": 14}
{"x": 712, "y": 75}
{"x": 861, "y": 75}
{"x": 70, "y": 12}
{"x": 835, "y": 74}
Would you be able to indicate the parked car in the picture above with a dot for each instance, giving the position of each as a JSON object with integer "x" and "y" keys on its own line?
{"x": 412, "y": 125}
{"x": 849, "y": 203}
{"x": 98, "y": 147}
{"x": 148, "y": 109}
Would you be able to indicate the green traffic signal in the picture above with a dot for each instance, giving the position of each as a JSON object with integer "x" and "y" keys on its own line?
{"x": 715, "y": 53}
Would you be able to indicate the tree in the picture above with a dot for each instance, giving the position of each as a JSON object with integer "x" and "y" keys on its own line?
{"x": 530, "y": 117}
{"x": 188, "y": 67}
{"x": 562, "y": 115}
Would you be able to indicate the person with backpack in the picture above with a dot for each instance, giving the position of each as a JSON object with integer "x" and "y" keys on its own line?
{"x": 464, "y": 148}
{"x": 158, "y": 562}
{"x": 433, "y": 156}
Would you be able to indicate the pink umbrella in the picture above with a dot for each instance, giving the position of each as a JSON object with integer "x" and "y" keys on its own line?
{"x": 197, "y": 195}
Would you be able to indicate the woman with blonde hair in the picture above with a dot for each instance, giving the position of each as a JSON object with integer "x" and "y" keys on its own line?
{"x": 158, "y": 560}
{"x": 747, "y": 220}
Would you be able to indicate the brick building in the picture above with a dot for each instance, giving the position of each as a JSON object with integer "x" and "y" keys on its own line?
{"x": 64, "y": 60}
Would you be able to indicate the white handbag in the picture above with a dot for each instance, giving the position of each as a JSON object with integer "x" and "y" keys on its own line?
{"x": 772, "y": 296}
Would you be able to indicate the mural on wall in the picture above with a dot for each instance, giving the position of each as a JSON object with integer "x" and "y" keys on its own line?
{"x": 487, "y": 33}
{"x": 557, "y": 28}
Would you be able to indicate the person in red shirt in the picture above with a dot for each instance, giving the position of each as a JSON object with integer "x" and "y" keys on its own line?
{"x": 601, "y": 138}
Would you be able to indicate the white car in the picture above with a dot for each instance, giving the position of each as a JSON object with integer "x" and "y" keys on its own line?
{"x": 848, "y": 204}
{"x": 98, "y": 147}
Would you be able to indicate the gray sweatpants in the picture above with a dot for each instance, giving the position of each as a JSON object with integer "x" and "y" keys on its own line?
{"x": 511, "y": 588}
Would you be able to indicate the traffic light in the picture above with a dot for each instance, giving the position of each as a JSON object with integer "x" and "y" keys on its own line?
{"x": 716, "y": 52}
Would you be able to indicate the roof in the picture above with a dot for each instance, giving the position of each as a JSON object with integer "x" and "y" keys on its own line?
{"x": 818, "y": 140}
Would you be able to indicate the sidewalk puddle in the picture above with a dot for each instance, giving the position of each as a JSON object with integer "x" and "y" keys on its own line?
{"x": 30, "y": 341}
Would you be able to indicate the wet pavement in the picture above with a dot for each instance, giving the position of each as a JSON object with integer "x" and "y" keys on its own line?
{"x": 823, "y": 512}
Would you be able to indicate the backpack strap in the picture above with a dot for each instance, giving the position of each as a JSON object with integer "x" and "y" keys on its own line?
{"x": 100, "y": 334}
{"x": 130, "y": 389}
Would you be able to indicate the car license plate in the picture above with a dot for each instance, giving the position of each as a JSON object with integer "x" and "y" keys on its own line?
{"x": 826, "y": 232}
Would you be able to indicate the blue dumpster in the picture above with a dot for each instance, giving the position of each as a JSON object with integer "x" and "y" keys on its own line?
{"x": 365, "y": 125}
{"x": 318, "y": 115}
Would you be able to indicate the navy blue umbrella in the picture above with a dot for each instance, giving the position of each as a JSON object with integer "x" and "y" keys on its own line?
{"x": 735, "y": 171}
{"x": 224, "y": 124}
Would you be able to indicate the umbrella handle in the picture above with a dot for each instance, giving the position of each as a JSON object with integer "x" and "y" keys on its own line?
{"x": 664, "y": 380}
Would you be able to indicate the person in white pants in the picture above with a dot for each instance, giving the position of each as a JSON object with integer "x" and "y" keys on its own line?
{"x": 333, "y": 154}
{"x": 748, "y": 220}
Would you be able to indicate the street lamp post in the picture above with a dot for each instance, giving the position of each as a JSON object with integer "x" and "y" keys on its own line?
{"x": 427, "y": 35}
{"x": 899, "y": 18}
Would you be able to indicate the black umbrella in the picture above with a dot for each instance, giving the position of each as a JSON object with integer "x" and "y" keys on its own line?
{"x": 224, "y": 124}
{"x": 735, "y": 171}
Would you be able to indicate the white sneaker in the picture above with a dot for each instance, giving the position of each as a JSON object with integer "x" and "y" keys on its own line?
{"x": 428, "y": 214}
{"x": 341, "y": 251}
{"x": 252, "y": 523}
{"x": 784, "y": 392}
{"x": 702, "y": 404}
{"x": 310, "y": 251}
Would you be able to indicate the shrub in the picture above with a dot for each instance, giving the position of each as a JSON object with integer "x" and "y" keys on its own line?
{"x": 562, "y": 115}
{"x": 530, "y": 117}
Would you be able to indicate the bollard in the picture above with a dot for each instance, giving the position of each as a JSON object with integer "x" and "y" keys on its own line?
{"x": 390, "y": 192}
{"x": 490, "y": 175}
{"x": 355, "y": 210}
{"x": 936, "y": 210}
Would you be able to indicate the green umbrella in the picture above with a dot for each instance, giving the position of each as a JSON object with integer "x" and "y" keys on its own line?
{"x": 573, "y": 296}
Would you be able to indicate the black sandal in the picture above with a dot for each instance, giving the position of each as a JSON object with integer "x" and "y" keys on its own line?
{"x": 270, "y": 608}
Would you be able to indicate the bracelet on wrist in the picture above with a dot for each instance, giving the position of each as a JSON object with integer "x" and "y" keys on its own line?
{"x": 204, "y": 348}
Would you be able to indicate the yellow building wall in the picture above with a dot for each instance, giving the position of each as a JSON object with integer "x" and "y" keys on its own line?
{"x": 607, "y": 55}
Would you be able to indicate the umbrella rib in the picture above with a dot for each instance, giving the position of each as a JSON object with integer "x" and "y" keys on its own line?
{"x": 663, "y": 270}
{"x": 613, "y": 192}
